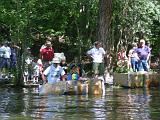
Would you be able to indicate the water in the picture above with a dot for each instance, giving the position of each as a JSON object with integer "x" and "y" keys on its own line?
{"x": 117, "y": 104}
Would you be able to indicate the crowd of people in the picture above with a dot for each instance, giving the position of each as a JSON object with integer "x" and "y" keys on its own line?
{"x": 8, "y": 57}
{"x": 138, "y": 58}
{"x": 52, "y": 67}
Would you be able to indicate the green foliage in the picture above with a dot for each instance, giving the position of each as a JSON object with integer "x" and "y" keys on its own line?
{"x": 121, "y": 67}
{"x": 134, "y": 19}
{"x": 78, "y": 18}
{"x": 77, "y": 21}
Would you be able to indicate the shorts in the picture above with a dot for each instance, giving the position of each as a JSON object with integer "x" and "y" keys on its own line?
{"x": 98, "y": 68}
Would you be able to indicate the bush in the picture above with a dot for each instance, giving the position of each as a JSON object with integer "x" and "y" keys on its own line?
{"x": 121, "y": 67}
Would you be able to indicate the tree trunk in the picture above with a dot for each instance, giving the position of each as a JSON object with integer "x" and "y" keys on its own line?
{"x": 105, "y": 14}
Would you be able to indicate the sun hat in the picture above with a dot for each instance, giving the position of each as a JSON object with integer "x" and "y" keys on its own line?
{"x": 56, "y": 60}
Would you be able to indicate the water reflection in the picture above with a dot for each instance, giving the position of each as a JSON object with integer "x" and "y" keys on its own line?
{"x": 117, "y": 104}
{"x": 132, "y": 105}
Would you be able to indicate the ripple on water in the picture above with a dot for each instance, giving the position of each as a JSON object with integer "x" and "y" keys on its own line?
{"x": 117, "y": 104}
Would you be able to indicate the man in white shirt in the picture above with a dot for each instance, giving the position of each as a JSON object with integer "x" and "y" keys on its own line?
{"x": 97, "y": 53}
{"x": 6, "y": 56}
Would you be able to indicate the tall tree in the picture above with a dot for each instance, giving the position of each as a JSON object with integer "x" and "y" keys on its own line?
{"x": 105, "y": 13}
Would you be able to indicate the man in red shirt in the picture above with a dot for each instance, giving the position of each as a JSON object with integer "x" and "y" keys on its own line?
{"x": 47, "y": 53}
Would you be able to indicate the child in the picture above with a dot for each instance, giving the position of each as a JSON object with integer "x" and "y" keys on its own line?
{"x": 27, "y": 65}
{"x": 37, "y": 70}
{"x": 27, "y": 69}
{"x": 75, "y": 72}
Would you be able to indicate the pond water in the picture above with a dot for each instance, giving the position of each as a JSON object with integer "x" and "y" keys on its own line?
{"x": 117, "y": 104}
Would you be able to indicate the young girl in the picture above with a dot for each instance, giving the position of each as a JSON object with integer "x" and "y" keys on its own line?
{"x": 37, "y": 70}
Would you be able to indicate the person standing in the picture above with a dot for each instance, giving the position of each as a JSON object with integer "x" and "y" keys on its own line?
{"x": 28, "y": 58}
{"x": 133, "y": 58}
{"x": 47, "y": 54}
{"x": 97, "y": 54}
{"x": 13, "y": 55}
{"x": 37, "y": 70}
{"x": 143, "y": 52}
{"x": 6, "y": 57}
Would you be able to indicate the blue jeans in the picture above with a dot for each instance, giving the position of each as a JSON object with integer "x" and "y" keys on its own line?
{"x": 143, "y": 65}
{"x": 5, "y": 63}
{"x": 134, "y": 64}
{"x": 1, "y": 62}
